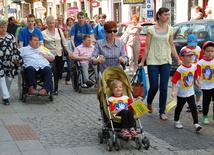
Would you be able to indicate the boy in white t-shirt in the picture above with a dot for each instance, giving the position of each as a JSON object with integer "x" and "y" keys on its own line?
{"x": 192, "y": 44}
{"x": 184, "y": 78}
{"x": 205, "y": 70}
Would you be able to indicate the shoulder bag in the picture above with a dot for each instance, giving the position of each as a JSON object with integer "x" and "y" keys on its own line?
{"x": 64, "y": 51}
{"x": 138, "y": 84}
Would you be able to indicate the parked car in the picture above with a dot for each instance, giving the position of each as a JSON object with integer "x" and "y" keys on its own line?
{"x": 204, "y": 29}
{"x": 122, "y": 28}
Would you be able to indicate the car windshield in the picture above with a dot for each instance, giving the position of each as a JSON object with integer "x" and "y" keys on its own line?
{"x": 184, "y": 30}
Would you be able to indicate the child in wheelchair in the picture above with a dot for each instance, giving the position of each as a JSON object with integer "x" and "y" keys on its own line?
{"x": 120, "y": 106}
{"x": 82, "y": 53}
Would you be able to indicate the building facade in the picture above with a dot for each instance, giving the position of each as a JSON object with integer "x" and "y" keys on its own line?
{"x": 117, "y": 10}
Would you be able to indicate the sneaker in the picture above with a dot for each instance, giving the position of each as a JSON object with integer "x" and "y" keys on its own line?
{"x": 55, "y": 93}
{"x": 178, "y": 125}
{"x": 205, "y": 120}
{"x": 188, "y": 109}
{"x": 125, "y": 133}
{"x": 84, "y": 85}
{"x": 89, "y": 83}
{"x": 198, "y": 127}
{"x": 199, "y": 108}
{"x": 133, "y": 132}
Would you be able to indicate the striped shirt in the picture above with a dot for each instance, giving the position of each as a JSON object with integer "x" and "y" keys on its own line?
{"x": 111, "y": 54}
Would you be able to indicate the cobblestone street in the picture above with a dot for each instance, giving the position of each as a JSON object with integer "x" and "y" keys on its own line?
{"x": 69, "y": 126}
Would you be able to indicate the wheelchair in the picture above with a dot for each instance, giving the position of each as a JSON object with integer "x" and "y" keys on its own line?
{"x": 78, "y": 78}
{"x": 23, "y": 88}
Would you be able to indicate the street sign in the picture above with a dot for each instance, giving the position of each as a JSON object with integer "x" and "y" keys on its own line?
{"x": 94, "y": 4}
{"x": 73, "y": 10}
{"x": 150, "y": 14}
{"x": 133, "y": 1}
{"x": 150, "y": 9}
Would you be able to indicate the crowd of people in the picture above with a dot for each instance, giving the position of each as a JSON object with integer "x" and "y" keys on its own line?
{"x": 96, "y": 43}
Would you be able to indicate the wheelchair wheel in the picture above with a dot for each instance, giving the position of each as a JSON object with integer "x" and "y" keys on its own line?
{"x": 79, "y": 84}
{"x": 75, "y": 78}
{"x": 20, "y": 85}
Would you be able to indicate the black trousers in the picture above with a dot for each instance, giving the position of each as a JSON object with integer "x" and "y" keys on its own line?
{"x": 57, "y": 71}
{"x": 127, "y": 119}
{"x": 208, "y": 96}
{"x": 180, "y": 104}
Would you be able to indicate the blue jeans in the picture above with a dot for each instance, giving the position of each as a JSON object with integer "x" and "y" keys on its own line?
{"x": 69, "y": 70}
{"x": 153, "y": 72}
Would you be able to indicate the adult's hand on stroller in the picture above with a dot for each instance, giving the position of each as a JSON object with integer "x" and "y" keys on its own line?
{"x": 101, "y": 59}
{"x": 121, "y": 60}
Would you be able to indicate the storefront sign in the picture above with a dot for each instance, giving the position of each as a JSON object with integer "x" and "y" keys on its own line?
{"x": 73, "y": 10}
{"x": 133, "y": 1}
{"x": 41, "y": 9}
{"x": 94, "y": 4}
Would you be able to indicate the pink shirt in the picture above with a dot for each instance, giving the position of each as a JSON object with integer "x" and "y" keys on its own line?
{"x": 84, "y": 51}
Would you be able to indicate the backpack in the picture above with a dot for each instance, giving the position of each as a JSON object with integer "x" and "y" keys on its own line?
{"x": 76, "y": 28}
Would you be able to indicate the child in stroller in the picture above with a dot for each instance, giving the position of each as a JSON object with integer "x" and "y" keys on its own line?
{"x": 112, "y": 120}
{"x": 120, "y": 106}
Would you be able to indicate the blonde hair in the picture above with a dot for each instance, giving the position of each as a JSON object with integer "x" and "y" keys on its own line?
{"x": 50, "y": 18}
{"x": 113, "y": 83}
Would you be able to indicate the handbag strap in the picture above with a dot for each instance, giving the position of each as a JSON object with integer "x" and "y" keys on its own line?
{"x": 135, "y": 76}
{"x": 60, "y": 37}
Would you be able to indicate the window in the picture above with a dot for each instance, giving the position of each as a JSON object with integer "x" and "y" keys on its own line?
{"x": 183, "y": 31}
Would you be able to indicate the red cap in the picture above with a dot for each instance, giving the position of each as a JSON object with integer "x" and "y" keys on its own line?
{"x": 207, "y": 43}
{"x": 186, "y": 51}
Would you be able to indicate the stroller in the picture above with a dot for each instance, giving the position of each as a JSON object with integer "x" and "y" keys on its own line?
{"x": 111, "y": 124}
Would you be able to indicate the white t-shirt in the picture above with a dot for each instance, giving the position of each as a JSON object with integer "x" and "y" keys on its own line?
{"x": 207, "y": 71}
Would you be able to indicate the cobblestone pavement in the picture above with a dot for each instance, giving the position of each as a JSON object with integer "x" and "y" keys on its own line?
{"x": 69, "y": 126}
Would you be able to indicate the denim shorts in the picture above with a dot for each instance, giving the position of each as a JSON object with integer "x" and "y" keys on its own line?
{"x": 197, "y": 90}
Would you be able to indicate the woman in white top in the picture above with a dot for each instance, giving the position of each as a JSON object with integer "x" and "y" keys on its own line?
{"x": 52, "y": 41}
{"x": 133, "y": 42}
{"x": 198, "y": 13}
{"x": 157, "y": 53}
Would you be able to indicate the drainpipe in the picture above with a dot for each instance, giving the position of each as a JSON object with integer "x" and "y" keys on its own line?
{"x": 5, "y": 9}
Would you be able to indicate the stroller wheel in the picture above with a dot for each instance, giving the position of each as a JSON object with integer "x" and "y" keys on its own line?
{"x": 146, "y": 143}
{"x": 100, "y": 136}
{"x": 138, "y": 142}
{"x": 117, "y": 144}
{"x": 109, "y": 144}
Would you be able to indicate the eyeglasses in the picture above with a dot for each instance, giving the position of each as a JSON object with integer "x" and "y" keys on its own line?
{"x": 110, "y": 31}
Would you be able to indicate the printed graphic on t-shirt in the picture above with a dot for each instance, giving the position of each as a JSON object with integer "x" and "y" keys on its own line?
{"x": 207, "y": 73}
{"x": 195, "y": 58}
{"x": 120, "y": 105}
{"x": 187, "y": 80}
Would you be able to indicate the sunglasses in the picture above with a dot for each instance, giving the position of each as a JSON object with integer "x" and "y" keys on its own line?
{"x": 110, "y": 31}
